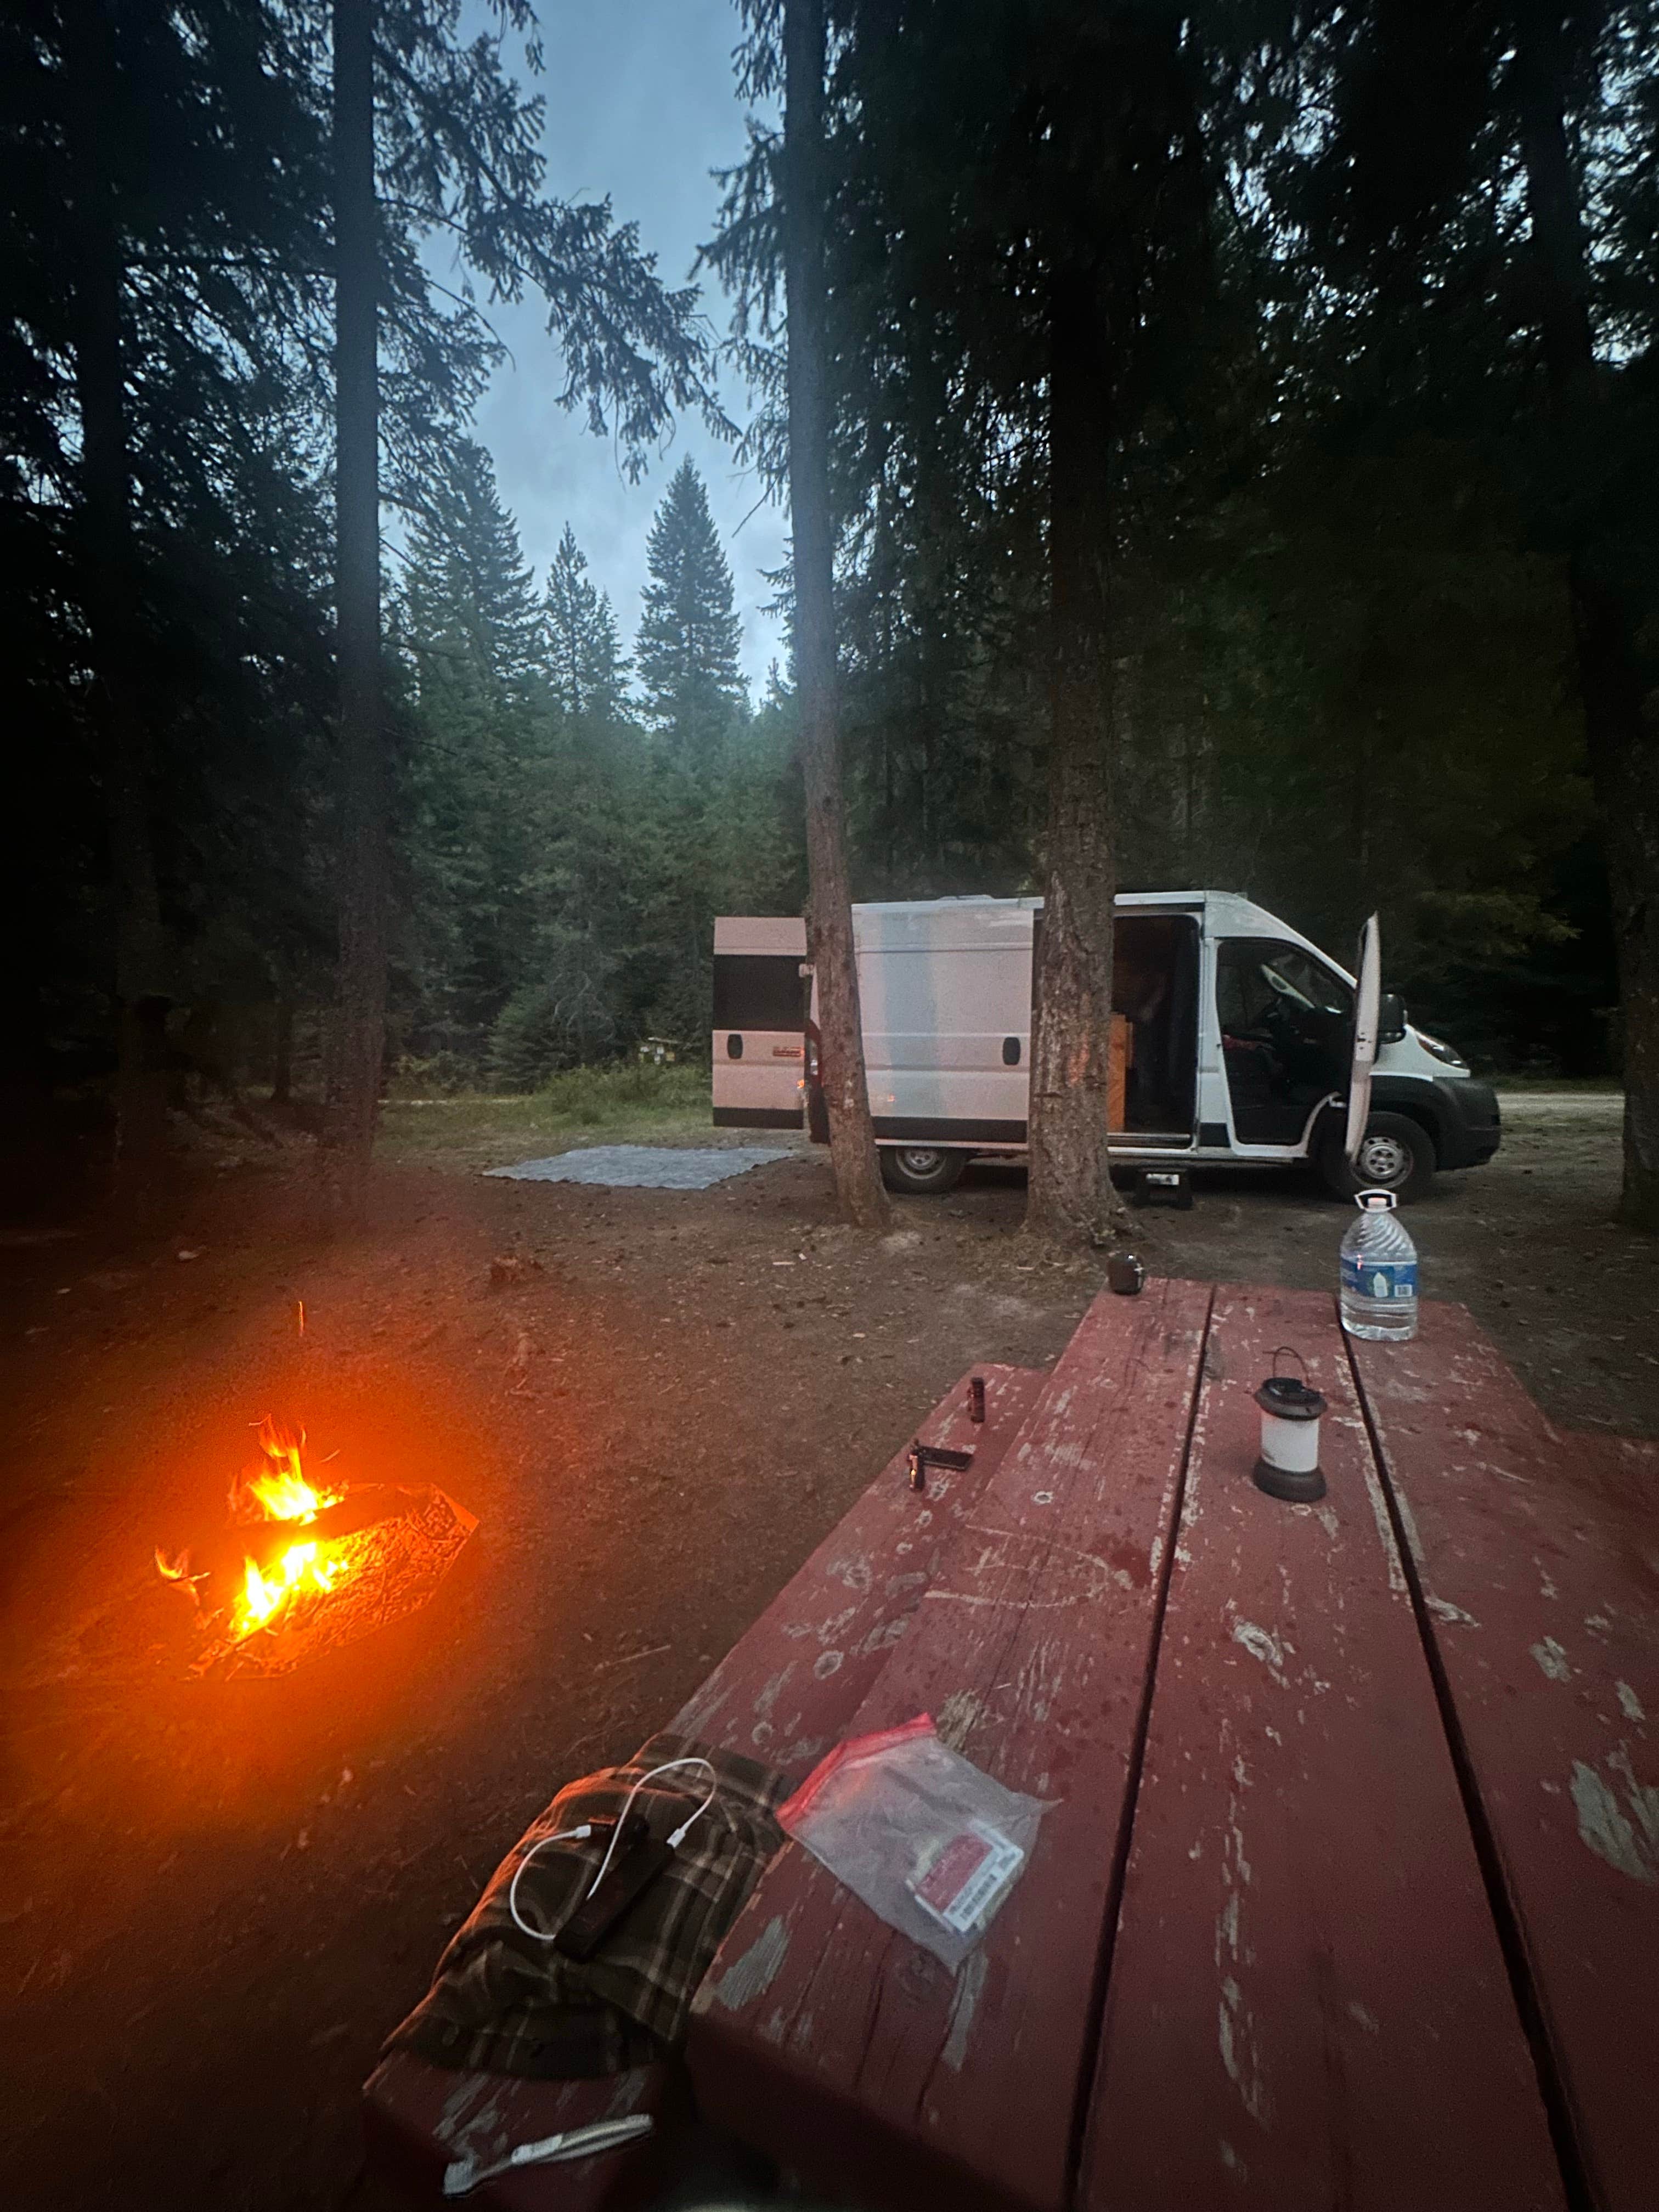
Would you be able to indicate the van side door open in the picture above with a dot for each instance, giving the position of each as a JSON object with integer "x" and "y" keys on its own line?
{"x": 1154, "y": 1046}
{"x": 1155, "y": 983}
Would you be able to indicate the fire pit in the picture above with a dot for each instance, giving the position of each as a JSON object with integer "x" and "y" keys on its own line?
{"x": 304, "y": 1566}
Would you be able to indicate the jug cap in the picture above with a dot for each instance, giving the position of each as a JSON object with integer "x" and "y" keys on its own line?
{"x": 1375, "y": 1201}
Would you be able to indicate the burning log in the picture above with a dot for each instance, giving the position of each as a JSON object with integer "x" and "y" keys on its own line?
{"x": 302, "y": 1569}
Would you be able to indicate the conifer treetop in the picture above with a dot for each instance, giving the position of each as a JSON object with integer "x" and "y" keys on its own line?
{"x": 586, "y": 666}
{"x": 689, "y": 636}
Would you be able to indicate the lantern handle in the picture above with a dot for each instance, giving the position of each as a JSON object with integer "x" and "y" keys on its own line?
{"x": 1290, "y": 1351}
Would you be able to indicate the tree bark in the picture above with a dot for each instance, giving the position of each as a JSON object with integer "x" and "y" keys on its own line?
{"x": 358, "y": 1043}
{"x": 1071, "y": 1199}
{"x": 110, "y": 570}
{"x": 1622, "y": 746}
{"x": 830, "y": 913}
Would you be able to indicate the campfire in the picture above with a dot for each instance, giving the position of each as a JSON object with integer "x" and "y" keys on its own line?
{"x": 306, "y": 1562}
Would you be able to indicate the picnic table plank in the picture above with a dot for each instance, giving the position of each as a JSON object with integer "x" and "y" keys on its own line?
{"x": 1543, "y": 1601}
{"x": 844, "y": 2050}
{"x": 1307, "y": 2002}
{"x": 774, "y": 1698}
{"x": 786, "y": 1689}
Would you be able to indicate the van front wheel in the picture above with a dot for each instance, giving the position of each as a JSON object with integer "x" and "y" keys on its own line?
{"x": 925, "y": 1170}
{"x": 1396, "y": 1153}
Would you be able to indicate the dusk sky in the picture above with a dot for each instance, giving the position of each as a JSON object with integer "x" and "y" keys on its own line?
{"x": 640, "y": 106}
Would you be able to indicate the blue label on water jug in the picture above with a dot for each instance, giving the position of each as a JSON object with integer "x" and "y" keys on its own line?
{"x": 1378, "y": 1278}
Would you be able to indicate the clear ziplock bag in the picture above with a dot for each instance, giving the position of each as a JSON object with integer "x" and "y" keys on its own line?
{"x": 929, "y": 1843}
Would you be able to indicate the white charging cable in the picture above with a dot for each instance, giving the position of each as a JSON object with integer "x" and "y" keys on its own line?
{"x": 685, "y": 1827}
{"x": 571, "y": 1835}
{"x": 564, "y": 1836}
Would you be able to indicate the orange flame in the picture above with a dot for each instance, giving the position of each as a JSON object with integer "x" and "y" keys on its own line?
{"x": 279, "y": 1491}
{"x": 283, "y": 1498}
{"x": 300, "y": 1570}
{"x": 276, "y": 1488}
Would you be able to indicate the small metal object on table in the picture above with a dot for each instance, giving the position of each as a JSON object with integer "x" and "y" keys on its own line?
{"x": 921, "y": 1457}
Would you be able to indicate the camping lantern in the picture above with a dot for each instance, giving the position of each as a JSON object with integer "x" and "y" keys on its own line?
{"x": 1289, "y": 1465}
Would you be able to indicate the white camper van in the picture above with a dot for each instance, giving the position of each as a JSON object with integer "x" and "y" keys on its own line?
{"x": 1231, "y": 1042}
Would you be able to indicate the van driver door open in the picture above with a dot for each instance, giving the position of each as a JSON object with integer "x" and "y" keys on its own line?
{"x": 1286, "y": 1024}
{"x": 757, "y": 1043}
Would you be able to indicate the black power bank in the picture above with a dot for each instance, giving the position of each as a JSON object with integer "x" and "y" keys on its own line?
{"x": 634, "y": 1868}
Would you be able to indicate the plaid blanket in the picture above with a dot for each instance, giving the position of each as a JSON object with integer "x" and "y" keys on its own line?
{"x": 502, "y": 2003}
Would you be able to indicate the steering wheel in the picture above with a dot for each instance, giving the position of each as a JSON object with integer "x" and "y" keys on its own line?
{"x": 1276, "y": 982}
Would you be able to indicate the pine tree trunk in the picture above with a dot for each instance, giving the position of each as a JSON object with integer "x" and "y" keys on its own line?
{"x": 110, "y": 571}
{"x": 1071, "y": 1197}
{"x": 830, "y": 913}
{"x": 1623, "y": 749}
{"x": 358, "y": 1042}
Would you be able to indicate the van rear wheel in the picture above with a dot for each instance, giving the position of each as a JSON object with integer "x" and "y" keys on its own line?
{"x": 924, "y": 1171}
{"x": 1396, "y": 1153}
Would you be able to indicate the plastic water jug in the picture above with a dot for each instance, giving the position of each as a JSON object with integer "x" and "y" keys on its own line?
{"x": 1378, "y": 1294}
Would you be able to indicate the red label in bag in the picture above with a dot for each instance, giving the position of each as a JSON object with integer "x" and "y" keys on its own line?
{"x": 966, "y": 1881}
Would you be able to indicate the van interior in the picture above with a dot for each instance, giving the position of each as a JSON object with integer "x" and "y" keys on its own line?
{"x": 1155, "y": 982}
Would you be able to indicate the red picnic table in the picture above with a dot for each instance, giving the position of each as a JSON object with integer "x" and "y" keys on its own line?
{"x": 1350, "y": 1893}
{"x": 1351, "y": 1896}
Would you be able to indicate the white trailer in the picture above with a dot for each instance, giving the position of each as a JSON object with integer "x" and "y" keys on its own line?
{"x": 1232, "y": 1045}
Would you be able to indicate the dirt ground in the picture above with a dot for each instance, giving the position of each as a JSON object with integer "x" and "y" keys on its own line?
{"x": 216, "y": 1897}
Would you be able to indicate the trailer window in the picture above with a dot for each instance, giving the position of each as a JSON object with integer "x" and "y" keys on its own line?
{"x": 759, "y": 991}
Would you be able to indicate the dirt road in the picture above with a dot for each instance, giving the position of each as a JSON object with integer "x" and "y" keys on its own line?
{"x": 214, "y": 1899}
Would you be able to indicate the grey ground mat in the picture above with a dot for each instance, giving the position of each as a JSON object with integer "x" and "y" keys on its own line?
{"x": 646, "y": 1166}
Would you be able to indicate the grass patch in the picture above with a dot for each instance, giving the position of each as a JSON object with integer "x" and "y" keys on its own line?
{"x": 633, "y": 1101}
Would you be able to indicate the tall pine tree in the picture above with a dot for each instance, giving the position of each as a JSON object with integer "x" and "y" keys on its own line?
{"x": 687, "y": 651}
{"x": 471, "y": 599}
{"x": 583, "y": 656}
{"x": 470, "y": 629}
{"x": 157, "y": 190}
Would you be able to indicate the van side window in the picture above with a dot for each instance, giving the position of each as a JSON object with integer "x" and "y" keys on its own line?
{"x": 1254, "y": 975}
